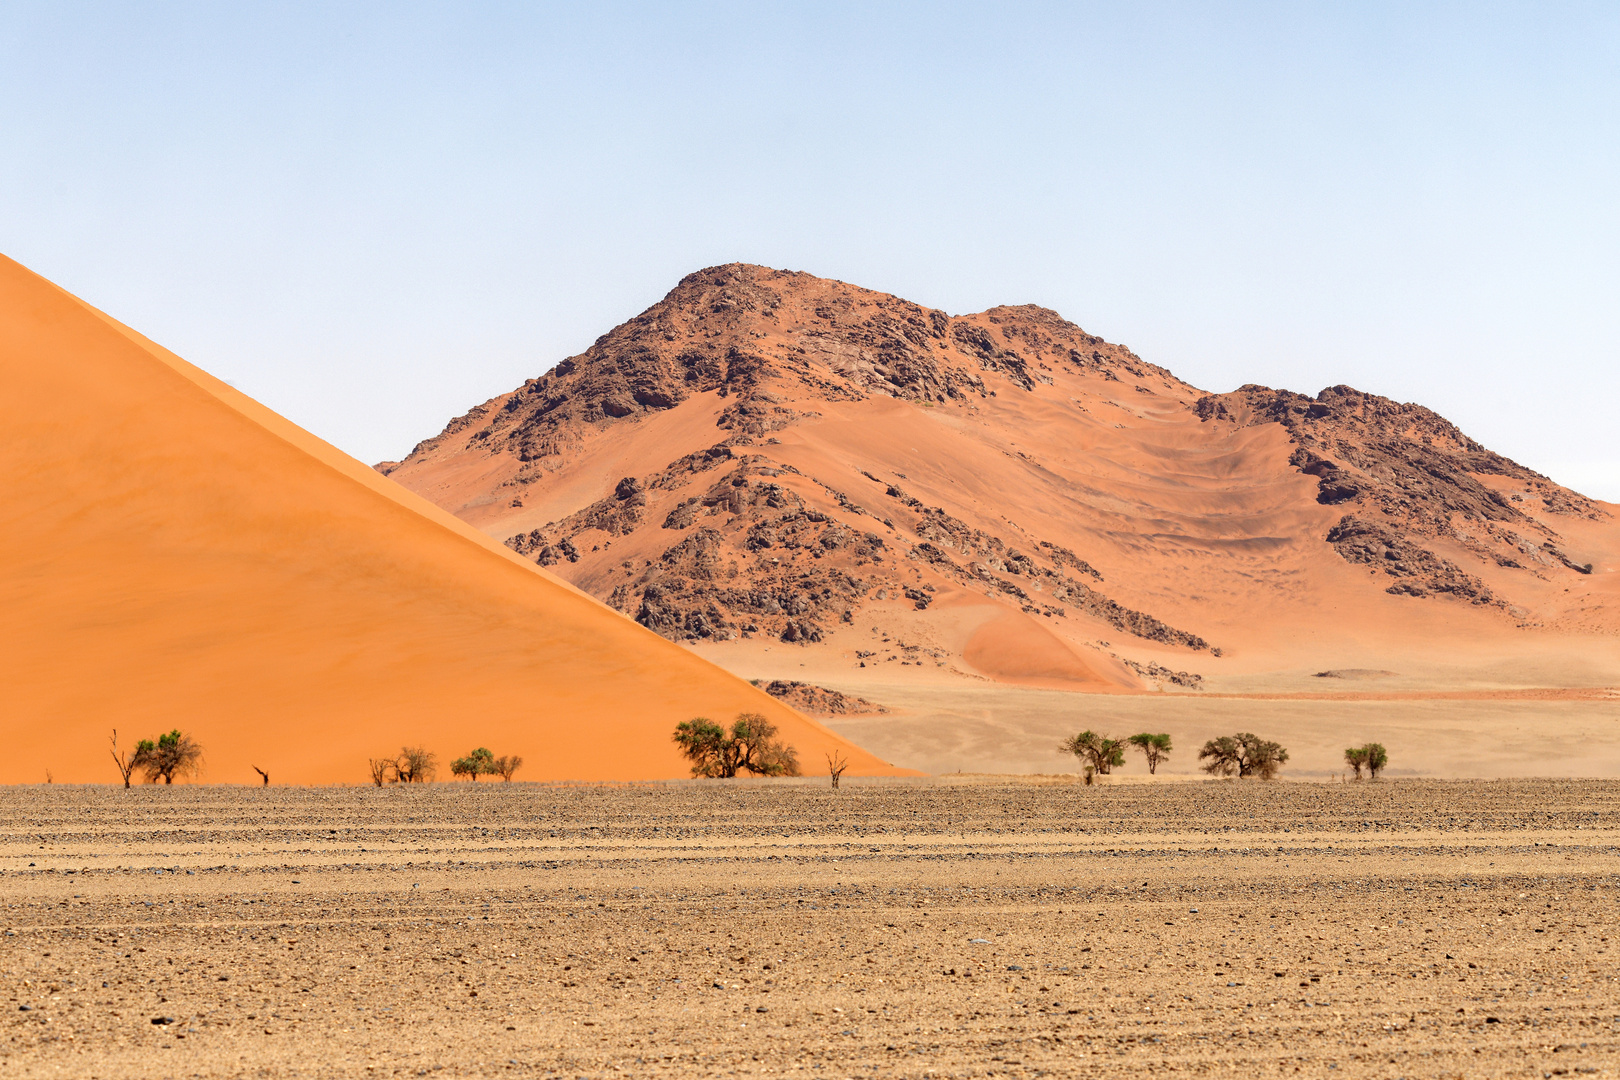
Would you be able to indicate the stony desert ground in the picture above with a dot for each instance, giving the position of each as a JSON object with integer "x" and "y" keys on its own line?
{"x": 967, "y": 927}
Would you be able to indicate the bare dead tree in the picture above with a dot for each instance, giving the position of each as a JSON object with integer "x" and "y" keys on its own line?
{"x": 380, "y": 770}
{"x": 125, "y": 760}
{"x": 415, "y": 765}
{"x": 264, "y": 774}
{"x": 836, "y": 764}
{"x": 505, "y": 766}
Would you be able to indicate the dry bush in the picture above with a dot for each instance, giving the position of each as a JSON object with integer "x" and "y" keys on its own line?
{"x": 415, "y": 765}
{"x": 124, "y": 759}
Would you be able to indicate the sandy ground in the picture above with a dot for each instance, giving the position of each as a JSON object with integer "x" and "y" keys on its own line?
{"x": 900, "y": 928}
{"x": 1542, "y": 709}
{"x": 942, "y": 728}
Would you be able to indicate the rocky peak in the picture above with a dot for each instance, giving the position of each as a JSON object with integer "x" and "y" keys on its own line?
{"x": 758, "y": 336}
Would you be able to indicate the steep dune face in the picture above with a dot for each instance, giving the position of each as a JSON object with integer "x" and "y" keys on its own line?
{"x": 773, "y": 456}
{"x": 175, "y": 555}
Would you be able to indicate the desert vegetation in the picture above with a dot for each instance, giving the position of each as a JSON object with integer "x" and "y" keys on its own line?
{"x": 1370, "y": 756}
{"x": 482, "y": 762}
{"x": 1243, "y": 755}
{"x": 1097, "y": 753}
{"x": 1155, "y": 748}
{"x": 478, "y": 763}
{"x": 414, "y": 765}
{"x": 752, "y": 745}
{"x": 124, "y": 759}
{"x": 171, "y": 755}
{"x": 836, "y": 764}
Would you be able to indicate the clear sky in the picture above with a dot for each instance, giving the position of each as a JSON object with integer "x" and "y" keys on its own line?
{"x": 373, "y": 216}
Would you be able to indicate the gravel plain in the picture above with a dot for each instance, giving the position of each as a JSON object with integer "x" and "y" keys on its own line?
{"x": 946, "y": 927}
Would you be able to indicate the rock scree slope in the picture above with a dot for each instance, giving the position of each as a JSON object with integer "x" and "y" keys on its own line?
{"x": 774, "y": 456}
{"x": 176, "y": 555}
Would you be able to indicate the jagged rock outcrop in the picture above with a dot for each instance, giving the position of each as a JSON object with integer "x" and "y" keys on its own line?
{"x": 820, "y": 701}
{"x": 1418, "y": 473}
{"x": 1416, "y": 570}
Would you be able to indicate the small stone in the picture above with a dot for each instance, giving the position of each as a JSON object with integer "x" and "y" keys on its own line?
{"x": 25, "y": 1008}
{"x": 162, "y": 1019}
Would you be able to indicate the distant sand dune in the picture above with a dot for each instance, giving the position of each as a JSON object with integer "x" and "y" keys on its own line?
{"x": 173, "y": 554}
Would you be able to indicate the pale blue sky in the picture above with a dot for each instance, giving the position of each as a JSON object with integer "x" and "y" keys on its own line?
{"x": 372, "y": 216}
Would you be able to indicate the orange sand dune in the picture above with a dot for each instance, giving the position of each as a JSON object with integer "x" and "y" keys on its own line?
{"x": 176, "y": 555}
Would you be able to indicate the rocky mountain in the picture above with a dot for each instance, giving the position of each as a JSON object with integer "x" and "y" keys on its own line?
{"x": 770, "y": 455}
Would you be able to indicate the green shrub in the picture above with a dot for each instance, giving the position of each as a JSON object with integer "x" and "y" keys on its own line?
{"x": 751, "y": 746}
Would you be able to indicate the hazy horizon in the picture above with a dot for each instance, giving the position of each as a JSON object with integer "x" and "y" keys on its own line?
{"x": 371, "y": 219}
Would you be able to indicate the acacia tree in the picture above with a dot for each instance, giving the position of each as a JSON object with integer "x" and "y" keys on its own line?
{"x": 1370, "y": 756}
{"x": 1096, "y": 750}
{"x": 507, "y": 765}
{"x": 1154, "y": 747}
{"x": 478, "y": 763}
{"x": 1243, "y": 754}
{"x": 173, "y": 754}
{"x": 751, "y": 746}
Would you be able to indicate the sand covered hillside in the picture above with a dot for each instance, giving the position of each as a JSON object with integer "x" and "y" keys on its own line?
{"x": 172, "y": 554}
{"x": 770, "y": 461}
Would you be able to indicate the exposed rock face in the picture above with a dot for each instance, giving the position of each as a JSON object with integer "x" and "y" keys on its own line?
{"x": 819, "y": 701}
{"x": 769, "y": 454}
{"x": 1417, "y": 571}
{"x": 1419, "y": 473}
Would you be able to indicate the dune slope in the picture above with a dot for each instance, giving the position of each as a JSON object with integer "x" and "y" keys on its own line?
{"x": 176, "y": 555}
